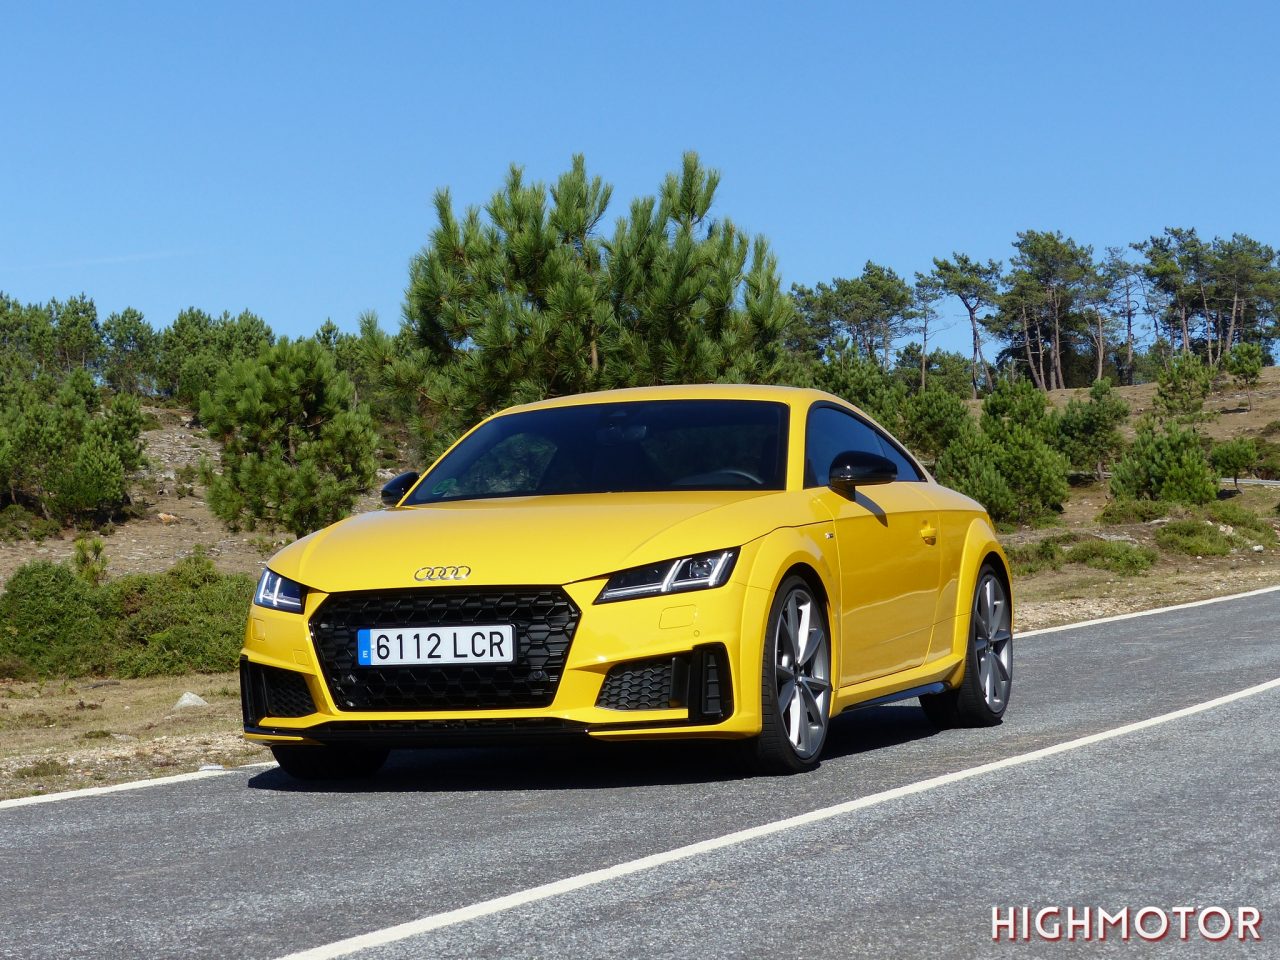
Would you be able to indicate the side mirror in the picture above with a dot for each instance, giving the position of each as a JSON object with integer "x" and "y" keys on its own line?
{"x": 395, "y": 489}
{"x": 853, "y": 469}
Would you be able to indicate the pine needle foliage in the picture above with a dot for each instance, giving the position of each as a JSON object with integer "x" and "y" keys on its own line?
{"x": 531, "y": 298}
{"x": 296, "y": 449}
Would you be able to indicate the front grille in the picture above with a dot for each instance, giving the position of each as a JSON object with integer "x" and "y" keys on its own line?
{"x": 639, "y": 685}
{"x": 271, "y": 692}
{"x": 544, "y": 619}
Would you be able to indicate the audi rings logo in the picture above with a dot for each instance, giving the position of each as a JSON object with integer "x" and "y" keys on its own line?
{"x": 438, "y": 574}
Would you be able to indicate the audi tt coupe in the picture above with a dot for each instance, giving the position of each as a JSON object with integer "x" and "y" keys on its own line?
{"x": 730, "y": 562}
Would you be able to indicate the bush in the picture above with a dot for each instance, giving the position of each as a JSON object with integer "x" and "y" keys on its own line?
{"x": 1032, "y": 558}
{"x": 1244, "y": 363}
{"x": 1135, "y": 511}
{"x": 53, "y": 623}
{"x": 1115, "y": 556}
{"x": 969, "y": 465}
{"x": 1182, "y": 387}
{"x": 1088, "y": 433}
{"x": 1246, "y": 523}
{"x": 1195, "y": 538}
{"x": 190, "y": 618}
{"x": 932, "y": 420}
{"x": 19, "y": 523}
{"x": 56, "y": 623}
{"x": 1234, "y": 457}
{"x": 1164, "y": 463}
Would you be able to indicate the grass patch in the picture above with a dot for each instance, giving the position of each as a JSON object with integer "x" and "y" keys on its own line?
{"x": 42, "y": 769}
{"x": 95, "y": 735}
{"x": 1194, "y": 538}
{"x": 1117, "y": 556}
{"x": 1135, "y": 511}
{"x": 1032, "y": 558}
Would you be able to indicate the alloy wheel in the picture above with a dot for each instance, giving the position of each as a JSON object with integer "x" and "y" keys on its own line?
{"x": 993, "y": 642}
{"x": 802, "y": 671}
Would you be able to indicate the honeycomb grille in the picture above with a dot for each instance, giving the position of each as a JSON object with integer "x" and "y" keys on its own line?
{"x": 544, "y": 619}
{"x": 640, "y": 685}
{"x": 270, "y": 692}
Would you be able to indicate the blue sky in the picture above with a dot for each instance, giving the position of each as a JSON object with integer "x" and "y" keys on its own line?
{"x": 281, "y": 157}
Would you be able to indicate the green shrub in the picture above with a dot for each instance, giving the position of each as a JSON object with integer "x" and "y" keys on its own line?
{"x": 969, "y": 465}
{"x": 53, "y": 623}
{"x": 1234, "y": 457}
{"x": 1115, "y": 556}
{"x": 932, "y": 420}
{"x": 56, "y": 623}
{"x": 19, "y": 523}
{"x": 1032, "y": 558}
{"x": 1182, "y": 387}
{"x": 1165, "y": 462}
{"x": 1135, "y": 511}
{"x": 190, "y": 618}
{"x": 1088, "y": 433}
{"x": 1246, "y": 523}
{"x": 1195, "y": 538}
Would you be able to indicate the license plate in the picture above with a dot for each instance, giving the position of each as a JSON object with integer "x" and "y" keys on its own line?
{"x": 475, "y": 643}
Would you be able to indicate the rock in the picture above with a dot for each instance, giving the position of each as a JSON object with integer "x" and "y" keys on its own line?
{"x": 166, "y": 518}
{"x": 1258, "y": 548}
{"x": 189, "y": 700}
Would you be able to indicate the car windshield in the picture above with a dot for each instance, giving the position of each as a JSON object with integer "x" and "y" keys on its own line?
{"x": 617, "y": 447}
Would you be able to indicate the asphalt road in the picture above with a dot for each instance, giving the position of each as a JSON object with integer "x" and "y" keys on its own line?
{"x": 251, "y": 864}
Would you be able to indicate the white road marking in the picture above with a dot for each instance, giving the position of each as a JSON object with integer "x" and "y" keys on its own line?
{"x": 130, "y": 785}
{"x": 485, "y": 908}
{"x": 1020, "y": 634}
{"x": 159, "y": 781}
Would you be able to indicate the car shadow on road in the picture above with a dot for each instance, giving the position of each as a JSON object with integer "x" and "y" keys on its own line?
{"x": 594, "y": 765}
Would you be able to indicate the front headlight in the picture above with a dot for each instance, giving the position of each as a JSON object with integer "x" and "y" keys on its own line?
{"x": 279, "y": 593}
{"x": 671, "y": 576}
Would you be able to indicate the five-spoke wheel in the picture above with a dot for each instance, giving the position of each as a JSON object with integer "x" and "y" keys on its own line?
{"x": 795, "y": 696}
{"x": 983, "y": 694}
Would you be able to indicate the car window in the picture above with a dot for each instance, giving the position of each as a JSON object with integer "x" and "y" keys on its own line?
{"x": 631, "y": 446}
{"x": 831, "y": 432}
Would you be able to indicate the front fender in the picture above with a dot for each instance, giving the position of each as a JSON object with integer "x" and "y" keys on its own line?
{"x": 980, "y": 546}
{"x": 805, "y": 550}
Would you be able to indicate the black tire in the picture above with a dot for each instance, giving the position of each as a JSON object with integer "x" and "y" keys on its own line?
{"x": 329, "y": 763}
{"x": 778, "y": 749}
{"x": 983, "y": 694}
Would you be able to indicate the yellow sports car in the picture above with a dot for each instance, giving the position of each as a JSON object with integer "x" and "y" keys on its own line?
{"x": 729, "y": 562}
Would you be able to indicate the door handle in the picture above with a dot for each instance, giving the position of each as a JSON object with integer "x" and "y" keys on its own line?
{"x": 929, "y": 533}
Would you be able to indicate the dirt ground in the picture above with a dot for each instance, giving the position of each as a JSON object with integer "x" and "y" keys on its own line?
{"x": 63, "y": 735}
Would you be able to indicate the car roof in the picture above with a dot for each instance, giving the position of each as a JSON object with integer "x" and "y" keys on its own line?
{"x": 791, "y": 396}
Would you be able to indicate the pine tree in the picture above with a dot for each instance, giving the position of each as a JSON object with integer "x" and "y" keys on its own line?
{"x": 528, "y": 299}
{"x": 1088, "y": 432}
{"x": 1164, "y": 462}
{"x": 296, "y": 449}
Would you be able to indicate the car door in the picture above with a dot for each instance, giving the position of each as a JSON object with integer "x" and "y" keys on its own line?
{"x": 886, "y": 539}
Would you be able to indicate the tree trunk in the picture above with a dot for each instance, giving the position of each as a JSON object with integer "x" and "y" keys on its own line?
{"x": 924, "y": 353}
{"x": 1037, "y": 375}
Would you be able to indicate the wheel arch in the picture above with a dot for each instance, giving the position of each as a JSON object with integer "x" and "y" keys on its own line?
{"x": 981, "y": 548}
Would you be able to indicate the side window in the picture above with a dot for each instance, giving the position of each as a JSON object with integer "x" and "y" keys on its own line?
{"x": 830, "y": 432}
{"x": 906, "y": 469}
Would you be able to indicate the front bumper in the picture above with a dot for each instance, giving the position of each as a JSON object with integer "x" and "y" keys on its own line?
{"x": 659, "y": 667}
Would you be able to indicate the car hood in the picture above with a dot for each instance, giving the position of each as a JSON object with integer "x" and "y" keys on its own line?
{"x": 529, "y": 540}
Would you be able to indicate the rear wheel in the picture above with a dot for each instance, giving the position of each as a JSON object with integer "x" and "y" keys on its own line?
{"x": 795, "y": 683}
{"x": 328, "y": 762}
{"x": 983, "y": 694}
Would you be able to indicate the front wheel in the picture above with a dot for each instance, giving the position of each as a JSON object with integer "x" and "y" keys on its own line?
{"x": 983, "y": 694}
{"x": 795, "y": 683}
{"x": 328, "y": 763}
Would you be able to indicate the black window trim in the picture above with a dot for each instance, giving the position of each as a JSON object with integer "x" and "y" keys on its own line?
{"x": 878, "y": 431}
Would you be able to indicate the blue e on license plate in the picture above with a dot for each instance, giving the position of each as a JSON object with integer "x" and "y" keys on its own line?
{"x": 474, "y": 643}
